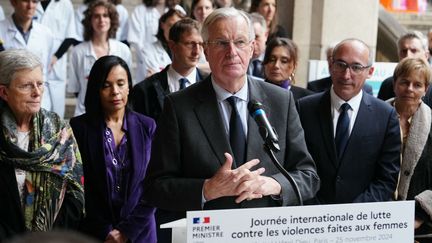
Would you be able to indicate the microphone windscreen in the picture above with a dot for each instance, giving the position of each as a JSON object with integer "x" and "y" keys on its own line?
{"x": 254, "y": 105}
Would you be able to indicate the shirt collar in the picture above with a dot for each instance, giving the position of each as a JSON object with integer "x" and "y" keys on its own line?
{"x": 174, "y": 75}
{"x": 19, "y": 28}
{"x": 336, "y": 101}
{"x": 222, "y": 94}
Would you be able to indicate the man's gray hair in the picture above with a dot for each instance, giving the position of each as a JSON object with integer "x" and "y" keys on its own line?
{"x": 259, "y": 19}
{"x": 225, "y": 13}
{"x": 414, "y": 34}
{"x": 14, "y": 60}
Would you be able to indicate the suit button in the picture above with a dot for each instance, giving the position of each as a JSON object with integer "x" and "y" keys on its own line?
{"x": 406, "y": 173}
{"x": 338, "y": 178}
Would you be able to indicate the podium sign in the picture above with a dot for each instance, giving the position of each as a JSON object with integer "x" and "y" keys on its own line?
{"x": 360, "y": 222}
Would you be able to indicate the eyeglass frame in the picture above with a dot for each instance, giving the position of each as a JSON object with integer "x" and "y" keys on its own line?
{"x": 359, "y": 70}
{"x": 224, "y": 44}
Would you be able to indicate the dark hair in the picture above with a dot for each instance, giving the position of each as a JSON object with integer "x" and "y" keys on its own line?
{"x": 285, "y": 42}
{"x": 168, "y": 3}
{"x": 182, "y": 26}
{"x": 98, "y": 74}
{"x": 160, "y": 34}
{"x": 274, "y": 23}
{"x": 88, "y": 14}
{"x": 195, "y": 2}
{"x": 115, "y": 2}
{"x": 288, "y": 44}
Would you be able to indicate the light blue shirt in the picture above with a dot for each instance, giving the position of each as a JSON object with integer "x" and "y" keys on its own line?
{"x": 225, "y": 107}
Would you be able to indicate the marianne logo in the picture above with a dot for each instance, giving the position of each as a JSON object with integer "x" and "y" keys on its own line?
{"x": 201, "y": 220}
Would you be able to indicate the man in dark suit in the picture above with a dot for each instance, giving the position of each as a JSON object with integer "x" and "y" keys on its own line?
{"x": 256, "y": 67}
{"x": 186, "y": 47}
{"x": 356, "y": 149}
{"x": 325, "y": 83}
{"x": 207, "y": 152}
{"x": 412, "y": 45}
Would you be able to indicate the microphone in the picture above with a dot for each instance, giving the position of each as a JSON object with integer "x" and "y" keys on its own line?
{"x": 266, "y": 131}
{"x": 271, "y": 142}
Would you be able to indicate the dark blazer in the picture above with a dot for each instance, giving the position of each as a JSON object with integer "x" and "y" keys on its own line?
{"x": 137, "y": 219}
{"x": 298, "y": 92}
{"x": 324, "y": 84}
{"x": 147, "y": 97}
{"x": 369, "y": 167}
{"x": 191, "y": 140}
{"x": 386, "y": 89}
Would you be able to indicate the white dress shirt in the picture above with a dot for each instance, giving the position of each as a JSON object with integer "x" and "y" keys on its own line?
{"x": 336, "y": 103}
{"x": 173, "y": 79}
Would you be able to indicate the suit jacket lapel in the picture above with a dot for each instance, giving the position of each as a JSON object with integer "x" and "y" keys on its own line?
{"x": 361, "y": 124}
{"x": 161, "y": 86}
{"x": 326, "y": 123}
{"x": 209, "y": 117}
{"x": 254, "y": 146}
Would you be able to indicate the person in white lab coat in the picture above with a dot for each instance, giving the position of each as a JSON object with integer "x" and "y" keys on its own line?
{"x": 157, "y": 55}
{"x": 143, "y": 27}
{"x": 100, "y": 25}
{"x": 19, "y": 31}
{"x": 2, "y": 16}
{"x": 122, "y": 30}
{"x": 58, "y": 16}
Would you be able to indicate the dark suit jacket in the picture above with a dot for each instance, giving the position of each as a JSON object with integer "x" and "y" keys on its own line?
{"x": 369, "y": 167}
{"x": 299, "y": 92}
{"x": 386, "y": 89}
{"x": 191, "y": 140}
{"x": 137, "y": 219}
{"x": 147, "y": 97}
{"x": 324, "y": 84}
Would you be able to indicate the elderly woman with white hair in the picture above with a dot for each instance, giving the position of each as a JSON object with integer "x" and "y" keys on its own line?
{"x": 40, "y": 166}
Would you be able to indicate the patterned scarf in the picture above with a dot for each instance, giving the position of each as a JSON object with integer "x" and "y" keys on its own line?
{"x": 53, "y": 166}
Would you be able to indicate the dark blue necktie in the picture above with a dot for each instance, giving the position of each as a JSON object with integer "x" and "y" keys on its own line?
{"x": 257, "y": 68}
{"x": 237, "y": 135}
{"x": 183, "y": 82}
{"x": 342, "y": 130}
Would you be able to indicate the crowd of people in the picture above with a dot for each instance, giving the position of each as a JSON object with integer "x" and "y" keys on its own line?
{"x": 174, "y": 134}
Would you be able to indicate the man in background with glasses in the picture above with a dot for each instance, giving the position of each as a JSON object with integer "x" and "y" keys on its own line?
{"x": 353, "y": 137}
{"x": 207, "y": 153}
{"x": 185, "y": 43}
{"x": 412, "y": 44}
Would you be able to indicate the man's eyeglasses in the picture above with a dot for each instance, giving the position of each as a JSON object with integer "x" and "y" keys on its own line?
{"x": 191, "y": 44}
{"x": 224, "y": 44}
{"x": 28, "y": 87}
{"x": 340, "y": 66}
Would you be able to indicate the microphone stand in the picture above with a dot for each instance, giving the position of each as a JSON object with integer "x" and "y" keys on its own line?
{"x": 270, "y": 147}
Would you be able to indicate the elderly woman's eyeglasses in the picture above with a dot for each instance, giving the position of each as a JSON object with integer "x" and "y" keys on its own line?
{"x": 355, "y": 68}
{"x": 28, "y": 87}
{"x": 224, "y": 44}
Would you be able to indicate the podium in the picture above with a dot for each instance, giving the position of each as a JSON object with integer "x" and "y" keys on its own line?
{"x": 358, "y": 222}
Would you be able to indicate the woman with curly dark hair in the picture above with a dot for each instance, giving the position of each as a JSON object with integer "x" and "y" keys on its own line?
{"x": 100, "y": 26}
